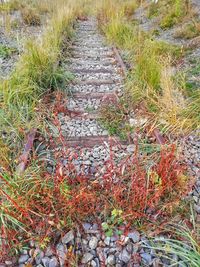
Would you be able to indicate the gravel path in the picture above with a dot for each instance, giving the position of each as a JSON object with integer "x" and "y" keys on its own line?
{"x": 97, "y": 75}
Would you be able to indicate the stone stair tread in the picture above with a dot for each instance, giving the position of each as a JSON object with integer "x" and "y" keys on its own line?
{"x": 93, "y": 71}
{"x": 98, "y": 82}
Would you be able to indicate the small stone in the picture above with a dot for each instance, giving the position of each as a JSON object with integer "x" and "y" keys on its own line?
{"x": 86, "y": 226}
{"x": 100, "y": 254}
{"x": 134, "y": 236}
{"x": 125, "y": 256}
{"x": 68, "y": 237}
{"x": 95, "y": 226}
{"x": 97, "y": 262}
{"x": 110, "y": 260}
{"x": 39, "y": 255}
{"x": 53, "y": 262}
{"x": 45, "y": 261}
{"x": 107, "y": 240}
{"x": 131, "y": 148}
{"x": 23, "y": 259}
{"x": 93, "y": 242}
{"x": 93, "y": 263}
{"x": 49, "y": 252}
{"x": 147, "y": 258}
{"x": 114, "y": 238}
{"x": 197, "y": 208}
{"x": 87, "y": 257}
{"x": 129, "y": 248}
{"x": 8, "y": 263}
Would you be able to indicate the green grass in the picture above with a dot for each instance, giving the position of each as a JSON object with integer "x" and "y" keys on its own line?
{"x": 37, "y": 73}
{"x": 6, "y": 51}
{"x": 184, "y": 245}
{"x": 177, "y": 10}
{"x": 151, "y": 81}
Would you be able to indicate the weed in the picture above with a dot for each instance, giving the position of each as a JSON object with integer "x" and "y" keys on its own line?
{"x": 6, "y": 51}
{"x": 177, "y": 11}
{"x": 115, "y": 220}
{"x": 114, "y": 118}
{"x": 37, "y": 204}
{"x": 185, "y": 246}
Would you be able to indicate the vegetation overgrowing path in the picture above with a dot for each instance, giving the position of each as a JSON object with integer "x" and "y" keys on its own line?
{"x": 98, "y": 79}
{"x": 109, "y": 174}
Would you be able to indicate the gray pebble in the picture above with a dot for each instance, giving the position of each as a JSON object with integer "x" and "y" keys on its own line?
{"x": 93, "y": 242}
{"x": 134, "y": 236}
{"x": 87, "y": 257}
{"x": 53, "y": 262}
{"x": 110, "y": 260}
{"x": 45, "y": 261}
{"x": 68, "y": 237}
{"x": 147, "y": 258}
{"x": 125, "y": 256}
{"x": 23, "y": 259}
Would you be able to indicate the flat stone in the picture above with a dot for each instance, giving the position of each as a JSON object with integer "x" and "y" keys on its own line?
{"x": 49, "y": 252}
{"x": 87, "y": 257}
{"x": 93, "y": 242}
{"x": 197, "y": 208}
{"x": 8, "y": 263}
{"x": 125, "y": 256}
{"x": 45, "y": 261}
{"x": 146, "y": 257}
{"x": 39, "y": 256}
{"x": 93, "y": 263}
{"x": 134, "y": 236}
{"x": 110, "y": 260}
{"x": 107, "y": 241}
{"x": 23, "y": 258}
{"x": 68, "y": 237}
{"x": 53, "y": 262}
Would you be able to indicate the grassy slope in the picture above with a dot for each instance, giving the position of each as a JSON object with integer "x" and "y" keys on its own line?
{"x": 152, "y": 82}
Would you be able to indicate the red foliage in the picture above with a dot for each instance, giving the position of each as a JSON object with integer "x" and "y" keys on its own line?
{"x": 51, "y": 201}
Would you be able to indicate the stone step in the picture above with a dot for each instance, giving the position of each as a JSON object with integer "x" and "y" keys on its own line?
{"x": 93, "y": 71}
{"x": 84, "y": 104}
{"x": 101, "y": 62}
{"x": 81, "y": 127}
{"x": 91, "y": 102}
{"x": 82, "y": 77}
{"x": 81, "y": 48}
{"x": 89, "y": 155}
{"x": 96, "y": 82}
{"x": 91, "y": 53}
{"x": 90, "y": 45}
{"x": 91, "y": 88}
{"x": 94, "y": 57}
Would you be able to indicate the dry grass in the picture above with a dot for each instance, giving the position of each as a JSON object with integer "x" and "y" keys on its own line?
{"x": 151, "y": 80}
{"x": 30, "y": 16}
{"x": 189, "y": 30}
